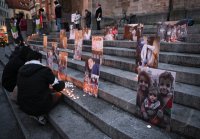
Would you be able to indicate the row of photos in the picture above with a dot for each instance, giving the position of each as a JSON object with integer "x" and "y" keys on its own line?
{"x": 155, "y": 89}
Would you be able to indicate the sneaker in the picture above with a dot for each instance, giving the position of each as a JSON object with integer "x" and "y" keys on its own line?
{"x": 40, "y": 119}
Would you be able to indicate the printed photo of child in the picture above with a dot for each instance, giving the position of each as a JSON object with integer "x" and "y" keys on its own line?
{"x": 91, "y": 79}
{"x": 155, "y": 96}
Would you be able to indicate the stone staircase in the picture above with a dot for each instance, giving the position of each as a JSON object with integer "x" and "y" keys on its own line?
{"x": 113, "y": 113}
{"x": 117, "y": 88}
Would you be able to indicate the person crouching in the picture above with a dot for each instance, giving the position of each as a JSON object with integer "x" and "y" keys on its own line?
{"x": 38, "y": 88}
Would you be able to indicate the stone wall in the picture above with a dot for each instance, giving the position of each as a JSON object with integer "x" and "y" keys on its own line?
{"x": 150, "y": 11}
{"x": 146, "y": 11}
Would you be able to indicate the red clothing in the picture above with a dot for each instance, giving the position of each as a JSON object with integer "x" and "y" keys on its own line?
{"x": 23, "y": 25}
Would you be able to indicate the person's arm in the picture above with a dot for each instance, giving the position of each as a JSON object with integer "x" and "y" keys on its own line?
{"x": 58, "y": 85}
{"x": 151, "y": 47}
{"x": 52, "y": 80}
{"x": 144, "y": 52}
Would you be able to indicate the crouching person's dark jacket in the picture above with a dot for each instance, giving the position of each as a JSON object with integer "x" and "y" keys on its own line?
{"x": 34, "y": 94}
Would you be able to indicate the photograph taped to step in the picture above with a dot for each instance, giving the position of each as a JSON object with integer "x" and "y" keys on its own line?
{"x": 172, "y": 31}
{"x": 72, "y": 34}
{"x": 133, "y": 31}
{"x": 155, "y": 93}
{"x": 86, "y": 33}
{"x": 97, "y": 47}
{"x": 55, "y": 49}
{"x": 78, "y": 44}
{"x": 63, "y": 39}
{"x": 45, "y": 41}
{"x": 91, "y": 78}
{"x": 62, "y": 65}
{"x": 147, "y": 52}
{"x": 110, "y": 33}
{"x": 50, "y": 59}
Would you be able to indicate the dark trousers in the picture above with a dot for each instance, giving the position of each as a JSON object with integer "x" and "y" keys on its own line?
{"x": 77, "y": 26}
{"x": 98, "y": 25}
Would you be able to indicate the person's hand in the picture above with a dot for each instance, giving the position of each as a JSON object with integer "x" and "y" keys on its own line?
{"x": 59, "y": 86}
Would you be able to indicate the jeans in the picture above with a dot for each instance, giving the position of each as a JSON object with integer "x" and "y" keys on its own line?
{"x": 58, "y": 23}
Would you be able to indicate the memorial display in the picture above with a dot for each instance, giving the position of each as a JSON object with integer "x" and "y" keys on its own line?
{"x": 78, "y": 44}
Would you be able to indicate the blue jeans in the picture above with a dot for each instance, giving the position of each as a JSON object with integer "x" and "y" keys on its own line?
{"x": 58, "y": 23}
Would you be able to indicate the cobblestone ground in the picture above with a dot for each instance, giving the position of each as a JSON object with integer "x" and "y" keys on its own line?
{"x": 9, "y": 128}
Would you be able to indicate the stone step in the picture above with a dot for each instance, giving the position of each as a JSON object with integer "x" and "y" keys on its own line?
{"x": 193, "y": 38}
{"x": 126, "y": 99}
{"x": 30, "y": 128}
{"x": 183, "y": 92}
{"x": 188, "y": 75}
{"x": 72, "y": 125}
{"x": 180, "y": 47}
{"x": 182, "y": 59}
{"x": 185, "y": 59}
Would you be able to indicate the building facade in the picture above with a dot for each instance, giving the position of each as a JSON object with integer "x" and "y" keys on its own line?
{"x": 3, "y": 14}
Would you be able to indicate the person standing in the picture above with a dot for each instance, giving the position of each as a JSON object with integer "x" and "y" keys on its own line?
{"x": 58, "y": 12}
{"x": 23, "y": 28}
{"x": 77, "y": 20}
{"x": 98, "y": 16}
{"x": 87, "y": 18}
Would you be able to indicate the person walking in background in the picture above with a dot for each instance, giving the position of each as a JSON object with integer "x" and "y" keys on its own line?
{"x": 14, "y": 30}
{"x": 77, "y": 20}
{"x": 18, "y": 18}
{"x": 23, "y": 28}
{"x": 43, "y": 21}
{"x": 98, "y": 16}
{"x": 58, "y": 12}
{"x": 87, "y": 18}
